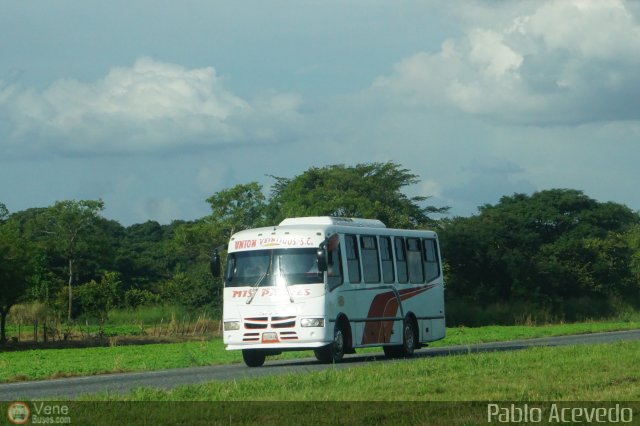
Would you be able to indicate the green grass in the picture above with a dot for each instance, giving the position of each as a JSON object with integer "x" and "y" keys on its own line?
{"x": 42, "y": 364}
{"x": 49, "y": 363}
{"x": 603, "y": 372}
{"x": 397, "y": 392}
{"x": 399, "y": 389}
{"x": 78, "y": 330}
{"x": 155, "y": 314}
{"x": 144, "y": 320}
{"x": 496, "y": 333}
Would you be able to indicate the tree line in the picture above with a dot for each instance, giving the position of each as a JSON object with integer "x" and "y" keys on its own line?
{"x": 556, "y": 253}
{"x": 542, "y": 250}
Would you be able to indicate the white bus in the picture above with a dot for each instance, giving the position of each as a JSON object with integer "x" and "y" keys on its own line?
{"x": 331, "y": 285}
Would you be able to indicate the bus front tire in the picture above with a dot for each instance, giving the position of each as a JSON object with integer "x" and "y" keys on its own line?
{"x": 333, "y": 352}
{"x": 253, "y": 357}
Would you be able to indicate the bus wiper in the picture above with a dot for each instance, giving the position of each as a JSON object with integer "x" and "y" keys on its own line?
{"x": 286, "y": 284}
{"x": 256, "y": 285}
{"x": 289, "y": 293}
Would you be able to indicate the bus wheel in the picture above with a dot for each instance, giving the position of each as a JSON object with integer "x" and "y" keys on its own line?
{"x": 333, "y": 352}
{"x": 408, "y": 342}
{"x": 408, "y": 337}
{"x": 253, "y": 357}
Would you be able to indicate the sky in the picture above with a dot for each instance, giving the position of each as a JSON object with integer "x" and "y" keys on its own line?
{"x": 153, "y": 106}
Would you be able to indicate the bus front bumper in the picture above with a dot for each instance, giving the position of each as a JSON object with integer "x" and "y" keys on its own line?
{"x": 291, "y": 339}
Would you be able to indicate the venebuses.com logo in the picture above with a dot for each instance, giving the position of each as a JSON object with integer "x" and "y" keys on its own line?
{"x": 18, "y": 413}
{"x": 38, "y": 412}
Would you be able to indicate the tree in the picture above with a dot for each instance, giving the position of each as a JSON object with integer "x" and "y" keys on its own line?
{"x": 240, "y": 207}
{"x": 72, "y": 226}
{"x": 15, "y": 267}
{"x": 142, "y": 258}
{"x": 545, "y": 249}
{"x": 97, "y": 298}
{"x": 188, "y": 289}
{"x": 633, "y": 240}
{"x": 366, "y": 190}
{"x": 48, "y": 267}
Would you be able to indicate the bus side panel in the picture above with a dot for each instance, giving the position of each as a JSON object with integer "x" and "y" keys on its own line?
{"x": 426, "y": 330}
{"x": 437, "y": 329}
{"x": 358, "y": 329}
{"x": 436, "y": 309}
{"x": 428, "y": 307}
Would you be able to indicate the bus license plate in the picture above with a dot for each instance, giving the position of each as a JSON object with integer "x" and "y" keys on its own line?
{"x": 269, "y": 337}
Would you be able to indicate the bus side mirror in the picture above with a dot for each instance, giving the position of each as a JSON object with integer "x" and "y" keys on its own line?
{"x": 214, "y": 263}
{"x": 321, "y": 256}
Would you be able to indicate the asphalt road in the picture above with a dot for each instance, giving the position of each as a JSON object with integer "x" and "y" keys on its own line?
{"x": 165, "y": 379}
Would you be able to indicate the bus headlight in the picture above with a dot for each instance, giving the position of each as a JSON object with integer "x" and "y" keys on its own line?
{"x": 312, "y": 322}
{"x": 231, "y": 325}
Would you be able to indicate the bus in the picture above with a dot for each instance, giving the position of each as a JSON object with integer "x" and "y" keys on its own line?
{"x": 330, "y": 285}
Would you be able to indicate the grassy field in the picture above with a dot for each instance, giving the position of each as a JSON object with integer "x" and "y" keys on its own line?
{"x": 497, "y": 333}
{"x": 420, "y": 391}
{"x": 51, "y": 363}
{"x": 454, "y": 389}
{"x": 154, "y": 321}
{"x": 583, "y": 372}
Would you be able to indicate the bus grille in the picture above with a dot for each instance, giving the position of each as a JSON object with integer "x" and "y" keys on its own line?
{"x": 256, "y": 323}
{"x": 284, "y": 335}
{"x": 283, "y": 322}
{"x": 288, "y": 335}
{"x": 251, "y": 337}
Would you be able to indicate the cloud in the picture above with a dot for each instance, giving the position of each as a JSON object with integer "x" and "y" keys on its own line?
{"x": 165, "y": 209}
{"x": 486, "y": 181}
{"x": 564, "y": 62}
{"x": 150, "y": 106}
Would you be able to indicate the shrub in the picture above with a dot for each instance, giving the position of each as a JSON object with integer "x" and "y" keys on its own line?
{"x": 134, "y": 298}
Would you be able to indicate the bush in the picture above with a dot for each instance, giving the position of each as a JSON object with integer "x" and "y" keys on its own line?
{"x": 96, "y": 299}
{"x": 471, "y": 314}
{"x": 193, "y": 290}
{"x": 135, "y": 298}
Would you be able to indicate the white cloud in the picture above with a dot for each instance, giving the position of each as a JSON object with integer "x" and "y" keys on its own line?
{"x": 431, "y": 187}
{"x": 212, "y": 178}
{"x": 486, "y": 180}
{"x": 149, "y": 106}
{"x": 165, "y": 210}
{"x": 563, "y": 62}
{"x": 491, "y": 55}
{"x": 602, "y": 29}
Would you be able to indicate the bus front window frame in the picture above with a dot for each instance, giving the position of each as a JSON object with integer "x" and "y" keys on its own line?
{"x": 277, "y": 265}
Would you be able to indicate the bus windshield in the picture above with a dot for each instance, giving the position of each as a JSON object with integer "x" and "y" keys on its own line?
{"x": 266, "y": 268}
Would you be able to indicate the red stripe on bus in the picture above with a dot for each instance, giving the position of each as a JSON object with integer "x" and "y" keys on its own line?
{"x": 385, "y": 305}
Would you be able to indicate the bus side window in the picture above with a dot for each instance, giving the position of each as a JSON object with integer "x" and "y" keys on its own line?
{"x": 370, "y": 259}
{"x": 414, "y": 259}
{"x": 401, "y": 260}
{"x": 387, "y": 259}
{"x": 431, "y": 267}
{"x": 353, "y": 260}
{"x": 334, "y": 265}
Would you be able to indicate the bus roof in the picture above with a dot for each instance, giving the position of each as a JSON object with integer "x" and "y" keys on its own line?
{"x": 329, "y": 220}
{"x": 311, "y": 231}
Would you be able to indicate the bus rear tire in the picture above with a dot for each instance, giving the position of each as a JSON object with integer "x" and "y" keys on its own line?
{"x": 253, "y": 357}
{"x": 409, "y": 342}
{"x": 333, "y": 352}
